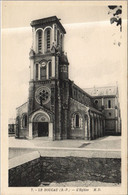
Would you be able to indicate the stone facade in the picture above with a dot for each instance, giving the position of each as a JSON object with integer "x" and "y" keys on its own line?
{"x": 56, "y": 107}
{"x": 107, "y": 101}
{"x": 22, "y": 113}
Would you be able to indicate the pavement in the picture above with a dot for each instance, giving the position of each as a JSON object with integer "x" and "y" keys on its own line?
{"x": 109, "y": 146}
{"x": 79, "y": 184}
{"x": 105, "y": 147}
{"x": 108, "y": 142}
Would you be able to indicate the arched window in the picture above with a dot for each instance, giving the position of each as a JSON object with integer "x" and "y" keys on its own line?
{"x": 50, "y": 69}
{"x": 74, "y": 94}
{"x": 24, "y": 121}
{"x": 77, "y": 121}
{"x": 36, "y": 71}
{"x": 61, "y": 42}
{"x": 39, "y": 40}
{"x": 96, "y": 101}
{"x": 109, "y": 103}
{"x": 48, "y": 39}
{"x": 43, "y": 73}
{"x": 58, "y": 38}
{"x": 55, "y": 33}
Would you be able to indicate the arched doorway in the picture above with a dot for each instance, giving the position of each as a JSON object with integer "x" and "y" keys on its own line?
{"x": 40, "y": 125}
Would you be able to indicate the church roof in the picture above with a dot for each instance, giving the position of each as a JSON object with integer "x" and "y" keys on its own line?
{"x": 101, "y": 91}
{"x": 52, "y": 19}
{"x": 24, "y": 104}
{"x": 95, "y": 110}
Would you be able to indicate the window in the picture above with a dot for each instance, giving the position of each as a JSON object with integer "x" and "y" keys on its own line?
{"x": 109, "y": 103}
{"x": 36, "y": 71}
{"x": 48, "y": 39}
{"x": 109, "y": 113}
{"x": 83, "y": 98}
{"x": 43, "y": 73}
{"x": 74, "y": 93}
{"x": 50, "y": 69}
{"x": 96, "y": 102}
{"x": 55, "y": 33}
{"x": 79, "y": 95}
{"x": 39, "y": 41}
{"x": 77, "y": 120}
{"x": 61, "y": 42}
{"x": 24, "y": 121}
{"x": 58, "y": 37}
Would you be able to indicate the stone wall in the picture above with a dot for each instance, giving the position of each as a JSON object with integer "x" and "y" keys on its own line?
{"x": 79, "y": 95}
{"x": 25, "y": 170}
{"x": 99, "y": 102}
{"x": 112, "y": 99}
{"x": 110, "y": 113}
{"x": 22, "y": 109}
{"x": 80, "y": 168}
{"x": 21, "y": 131}
{"x": 109, "y": 125}
{"x": 82, "y": 131}
{"x": 33, "y": 169}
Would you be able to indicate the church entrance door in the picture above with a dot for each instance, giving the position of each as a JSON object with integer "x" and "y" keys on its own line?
{"x": 42, "y": 129}
{"x": 40, "y": 125}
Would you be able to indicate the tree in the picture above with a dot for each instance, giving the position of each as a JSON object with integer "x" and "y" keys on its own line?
{"x": 116, "y": 11}
{"x": 116, "y": 17}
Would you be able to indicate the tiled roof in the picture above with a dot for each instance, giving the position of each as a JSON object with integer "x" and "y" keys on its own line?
{"x": 22, "y": 105}
{"x": 95, "y": 110}
{"x": 101, "y": 91}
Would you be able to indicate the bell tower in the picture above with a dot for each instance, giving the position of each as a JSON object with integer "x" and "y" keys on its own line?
{"x": 48, "y": 71}
{"x": 47, "y": 46}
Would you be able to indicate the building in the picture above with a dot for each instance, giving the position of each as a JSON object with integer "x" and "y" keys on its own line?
{"x": 11, "y": 127}
{"x": 57, "y": 108}
{"x": 106, "y": 100}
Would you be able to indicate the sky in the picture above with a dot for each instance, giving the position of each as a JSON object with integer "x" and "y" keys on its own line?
{"x": 90, "y": 42}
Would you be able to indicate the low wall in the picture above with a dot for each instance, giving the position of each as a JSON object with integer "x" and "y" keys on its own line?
{"x": 80, "y": 168}
{"x": 25, "y": 170}
{"x": 15, "y": 152}
{"x": 31, "y": 169}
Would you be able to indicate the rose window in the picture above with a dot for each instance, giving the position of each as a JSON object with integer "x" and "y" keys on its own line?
{"x": 42, "y": 95}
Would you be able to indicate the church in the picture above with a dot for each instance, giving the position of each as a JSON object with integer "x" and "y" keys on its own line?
{"x": 57, "y": 108}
